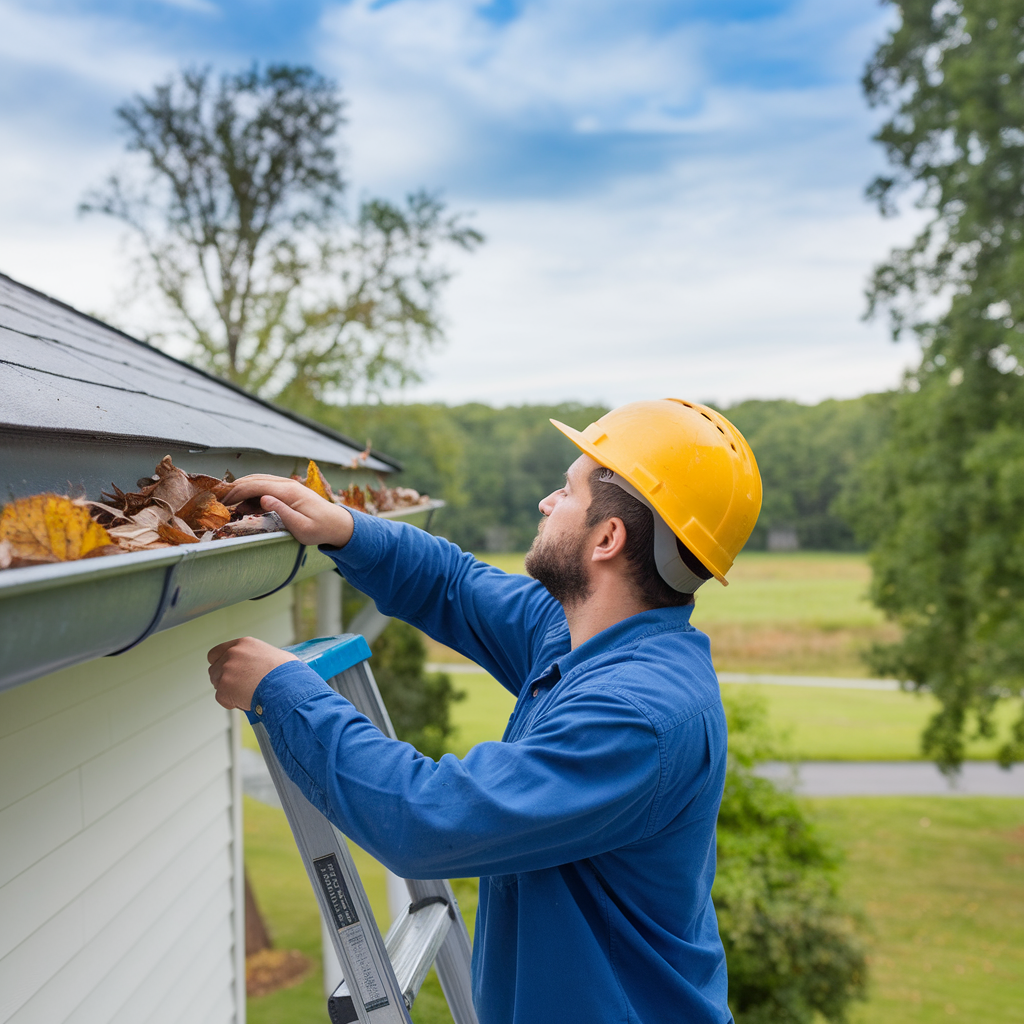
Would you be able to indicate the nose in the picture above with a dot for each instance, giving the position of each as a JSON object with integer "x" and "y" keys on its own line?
{"x": 547, "y": 504}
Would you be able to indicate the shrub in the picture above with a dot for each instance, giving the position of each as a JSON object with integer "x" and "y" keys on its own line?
{"x": 790, "y": 943}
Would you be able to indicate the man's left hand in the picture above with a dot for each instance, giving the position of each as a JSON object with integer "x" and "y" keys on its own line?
{"x": 237, "y": 666}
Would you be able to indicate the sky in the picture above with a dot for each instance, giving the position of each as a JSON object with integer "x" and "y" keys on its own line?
{"x": 672, "y": 191}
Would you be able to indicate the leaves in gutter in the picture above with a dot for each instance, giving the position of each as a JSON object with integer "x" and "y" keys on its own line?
{"x": 171, "y": 507}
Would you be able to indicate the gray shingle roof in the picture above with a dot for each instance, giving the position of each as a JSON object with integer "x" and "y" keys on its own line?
{"x": 61, "y": 370}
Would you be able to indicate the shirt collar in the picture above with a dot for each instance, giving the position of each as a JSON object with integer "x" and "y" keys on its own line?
{"x": 629, "y": 630}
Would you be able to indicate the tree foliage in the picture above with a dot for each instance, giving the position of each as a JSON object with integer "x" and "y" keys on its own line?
{"x": 941, "y": 502}
{"x": 492, "y": 466}
{"x": 418, "y": 702}
{"x": 236, "y": 199}
{"x": 790, "y": 944}
{"x": 806, "y": 454}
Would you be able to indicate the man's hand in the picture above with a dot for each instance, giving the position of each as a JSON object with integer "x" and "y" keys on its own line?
{"x": 309, "y": 518}
{"x": 236, "y": 668}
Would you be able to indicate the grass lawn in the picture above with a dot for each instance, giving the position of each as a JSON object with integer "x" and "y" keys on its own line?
{"x": 804, "y": 613}
{"x": 939, "y": 879}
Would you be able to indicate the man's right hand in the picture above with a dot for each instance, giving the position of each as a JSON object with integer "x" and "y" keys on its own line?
{"x": 309, "y": 518}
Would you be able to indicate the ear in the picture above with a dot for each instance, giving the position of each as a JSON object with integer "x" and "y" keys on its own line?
{"x": 609, "y": 540}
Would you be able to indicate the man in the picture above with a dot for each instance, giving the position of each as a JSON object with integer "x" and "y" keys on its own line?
{"x": 592, "y": 824}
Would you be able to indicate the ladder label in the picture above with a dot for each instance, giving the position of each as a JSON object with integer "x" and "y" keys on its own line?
{"x": 333, "y": 884}
{"x": 367, "y": 977}
{"x": 371, "y": 989}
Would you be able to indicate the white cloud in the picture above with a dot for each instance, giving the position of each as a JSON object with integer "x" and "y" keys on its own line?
{"x": 730, "y": 266}
{"x": 100, "y": 51}
{"x": 735, "y": 271}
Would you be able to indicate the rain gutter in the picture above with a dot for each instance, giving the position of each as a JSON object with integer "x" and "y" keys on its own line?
{"x": 56, "y": 616}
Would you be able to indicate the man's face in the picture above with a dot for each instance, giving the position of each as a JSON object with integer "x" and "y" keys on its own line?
{"x": 558, "y": 556}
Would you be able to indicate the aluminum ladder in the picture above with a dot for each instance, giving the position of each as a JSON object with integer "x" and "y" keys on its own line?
{"x": 382, "y": 976}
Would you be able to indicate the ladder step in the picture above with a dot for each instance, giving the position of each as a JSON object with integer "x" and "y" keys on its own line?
{"x": 412, "y": 942}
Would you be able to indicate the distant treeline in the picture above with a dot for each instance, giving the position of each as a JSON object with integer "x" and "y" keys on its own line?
{"x": 492, "y": 466}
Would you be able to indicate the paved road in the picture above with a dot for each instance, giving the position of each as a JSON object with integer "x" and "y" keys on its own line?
{"x": 815, "y": 778}
{"x": 828, "y": 682}
{"x": 895, "y": 778}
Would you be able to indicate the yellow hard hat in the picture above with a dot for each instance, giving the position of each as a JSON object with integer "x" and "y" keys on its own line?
{"x": 693, "y": 466}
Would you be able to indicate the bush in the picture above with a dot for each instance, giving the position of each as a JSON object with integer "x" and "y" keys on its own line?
{"x": 418, "y": 702}
{"x": 789, "y": 942}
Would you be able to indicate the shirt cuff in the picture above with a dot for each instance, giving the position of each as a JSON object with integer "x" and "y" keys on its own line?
{"x": 282, "y": 689}
{"x": 363, "y": 549}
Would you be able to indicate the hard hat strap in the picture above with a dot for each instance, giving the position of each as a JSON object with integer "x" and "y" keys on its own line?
{"x": 671, "y": 568}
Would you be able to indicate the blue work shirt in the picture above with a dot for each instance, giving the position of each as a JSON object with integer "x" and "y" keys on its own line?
{"x": 592, "y": 822}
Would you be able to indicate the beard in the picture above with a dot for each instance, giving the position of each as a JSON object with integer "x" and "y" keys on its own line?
{"x": 559, "y": 566}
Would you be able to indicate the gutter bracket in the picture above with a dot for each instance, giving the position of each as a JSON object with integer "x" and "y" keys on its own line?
{"x": 168, "y": 599}
{"x": 300, "y": 560}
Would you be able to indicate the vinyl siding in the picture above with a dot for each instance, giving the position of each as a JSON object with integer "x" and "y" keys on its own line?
{"x": 119, "y": 825}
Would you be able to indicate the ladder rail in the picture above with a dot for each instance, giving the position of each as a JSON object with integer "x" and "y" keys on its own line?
{"x": 388, "y": 972}
{"x": 343, "y": 902}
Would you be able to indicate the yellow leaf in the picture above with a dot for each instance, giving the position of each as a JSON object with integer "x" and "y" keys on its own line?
{"x": 49, "y": 528}
{"x": 316, "y": 481}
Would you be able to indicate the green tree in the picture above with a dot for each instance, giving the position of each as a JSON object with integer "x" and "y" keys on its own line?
{"x": 790, "y": 943}
{"x": 941, "y": 502}
{"x": 418, "y": 702}
{"x": 235, "y": 197}
{"x": 806, "y": 454}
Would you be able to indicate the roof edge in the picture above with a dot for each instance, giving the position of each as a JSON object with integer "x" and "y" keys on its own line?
{"x": 306, "y": 421}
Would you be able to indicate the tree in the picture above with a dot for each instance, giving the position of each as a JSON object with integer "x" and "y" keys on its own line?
{"x": 806, "y": 454}
{"x": 418, "y": 702}
{"x": 790, "y": 944}
{"x": 941, "y": 502}
{"x": 236, "y": 201}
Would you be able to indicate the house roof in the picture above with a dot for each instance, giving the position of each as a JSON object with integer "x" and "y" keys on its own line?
{"x": 66, "y": 372}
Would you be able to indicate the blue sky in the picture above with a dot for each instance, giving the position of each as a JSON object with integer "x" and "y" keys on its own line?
{"x": 672, "y": 191}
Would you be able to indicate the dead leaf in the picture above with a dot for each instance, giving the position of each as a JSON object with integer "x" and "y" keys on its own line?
{"x": 317, "y": 483}
{"x": 201, "y": 482}
{"x": 269, "y": 522}
{"x": 49, "y": 528}
{"x": 174, "y": 487}
{"x": 128, "y": 502}
{"x": 358, "y": 461}
{"x": 171, "y": 534}
{"x": 101, "y": 512}
{"x": 204, "y": 512}
{"x": 354, "y": 497}
{"x": 6, "y": 554}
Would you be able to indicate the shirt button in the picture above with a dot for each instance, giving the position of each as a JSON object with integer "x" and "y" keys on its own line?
{"x": 259, "y": 709}
{"x": 536, "y": 690}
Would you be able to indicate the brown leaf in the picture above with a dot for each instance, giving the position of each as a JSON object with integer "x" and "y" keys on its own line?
{"x": 249, "y": 507}
{"x": 171, "y": 534}
{"x": 358, "y": 461}
{"x": 128, "y": 502}
{"x": 49, "y": 528}
{"x": 174, "y": 487}
{"x": 354, "y": 497}
{"x": 105, "y": 514}
{"x": 204, "y": 512}
{"x": 201, "y": 482}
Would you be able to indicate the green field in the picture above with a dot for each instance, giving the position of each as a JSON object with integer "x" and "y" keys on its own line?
{"x": 805, "y": 613}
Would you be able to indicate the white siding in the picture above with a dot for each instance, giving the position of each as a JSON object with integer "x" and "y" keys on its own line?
{"x": 119, "y": 835}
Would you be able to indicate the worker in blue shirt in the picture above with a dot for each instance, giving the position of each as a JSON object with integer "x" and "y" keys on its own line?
{"x": 592, "y": 823}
